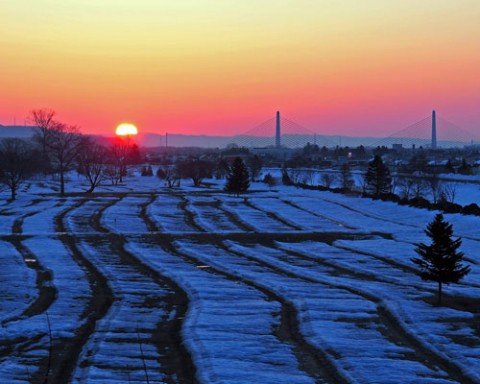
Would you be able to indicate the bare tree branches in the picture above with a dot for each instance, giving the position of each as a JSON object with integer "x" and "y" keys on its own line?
{"x": 121, "y": 154}
{"x": 63, "y": 145}
{"x": 44, "y": 122}
{"x": 92, "y": 158}
{"x": 15, "y": 163}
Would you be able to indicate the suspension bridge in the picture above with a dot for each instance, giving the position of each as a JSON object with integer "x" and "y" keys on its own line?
{"x": 432, "y": 132}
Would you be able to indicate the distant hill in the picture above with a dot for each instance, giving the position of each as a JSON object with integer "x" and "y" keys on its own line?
{"x": 290, "y": 141}
{"x": 22, "y": 131}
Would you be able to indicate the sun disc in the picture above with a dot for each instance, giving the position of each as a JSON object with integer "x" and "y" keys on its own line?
{"x": 126, "y": 129}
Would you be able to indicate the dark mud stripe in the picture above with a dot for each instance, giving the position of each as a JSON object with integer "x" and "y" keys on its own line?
{"x": 67, "y": 351}
{"x": 178, "y": 363}
{"x": 312, "y": 361}
{"x": 423, "y": 353}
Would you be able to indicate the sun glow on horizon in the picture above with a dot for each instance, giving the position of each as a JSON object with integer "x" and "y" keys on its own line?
{"x": 126, "y": 129}
{"x": 222, "y": 68}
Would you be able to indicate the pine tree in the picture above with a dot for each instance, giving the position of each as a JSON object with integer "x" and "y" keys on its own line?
{"x": 377, "y": 178}
{"x": 238, "y": 179}
{"x": 440, "y": 261}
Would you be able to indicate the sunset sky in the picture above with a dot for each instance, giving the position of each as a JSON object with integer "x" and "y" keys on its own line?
{"x": 221, "y": 67}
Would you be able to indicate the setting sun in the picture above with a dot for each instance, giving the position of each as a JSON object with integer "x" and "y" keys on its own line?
{"x": 125, "y": 129}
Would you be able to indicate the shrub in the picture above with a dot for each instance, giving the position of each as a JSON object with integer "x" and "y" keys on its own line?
{"x": 269, "y": 180}
{"x": 471, "y": 209}
{"x": 420, "y": 202}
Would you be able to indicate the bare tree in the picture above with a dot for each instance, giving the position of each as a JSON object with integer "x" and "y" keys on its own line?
{"x": 328, "y": 179}
{"x": 112, "y": 172}
{"x": 405, "y": 185}
{"x": 195, "y": 169}
{"x": 346, "y": 178}
{"x": 296, "y": 175}
{"x": 63, "y": 146}
{"x": 92, "y": 161}
{"x": 44, "y": 122}
{"x": 255, "y": 165}
{"x": 170, "y": 175}
{"x": 449, "y": 191}
{"x": 435, "y": 187}
{"x": 16, "y": 163}
{"x": 222, "y": 168}
{"x": 308, "y": 176}
{"x": 121, "y": 154}
{"x": 419, "y": 187}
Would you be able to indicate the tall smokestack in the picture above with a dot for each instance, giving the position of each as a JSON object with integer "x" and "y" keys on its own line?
{"x": 277, "y": 132}
{"x": 434, "y": 130}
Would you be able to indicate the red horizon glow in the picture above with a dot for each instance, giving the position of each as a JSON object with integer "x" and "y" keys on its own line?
{"x": 224, "y": 68}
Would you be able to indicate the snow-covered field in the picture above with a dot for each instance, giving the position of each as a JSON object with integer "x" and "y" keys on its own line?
{"x": 139, "y": 283}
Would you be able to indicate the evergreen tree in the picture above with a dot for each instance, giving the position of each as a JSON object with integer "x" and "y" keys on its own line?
{"x": 378, "y": 180}
{"x": 440, "y": 261}
{"x": 238, "y": 179}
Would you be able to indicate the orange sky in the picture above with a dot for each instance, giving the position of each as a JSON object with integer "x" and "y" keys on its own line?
{"x": 213, "y": 67}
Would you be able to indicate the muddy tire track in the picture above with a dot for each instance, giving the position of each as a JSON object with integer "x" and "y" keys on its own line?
{"x": 272, "y": 215}
{"x": 189, "y": 216}
{"x": 175, "y": 361}
{"x": 396, "y": 331}
{"x": 47, "y": 292}
{"x": 314, "y": 361}
{"x": 67, "y": 351}
{"x": 323, "y": 217}
{"x": 235, "y": 219}
{"x": 311, "y": 360}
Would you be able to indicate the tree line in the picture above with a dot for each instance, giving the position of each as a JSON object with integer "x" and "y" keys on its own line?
{"x": 57, "y": 148}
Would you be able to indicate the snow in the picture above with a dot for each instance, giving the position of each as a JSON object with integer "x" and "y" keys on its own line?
{"x": 355, "y": 297}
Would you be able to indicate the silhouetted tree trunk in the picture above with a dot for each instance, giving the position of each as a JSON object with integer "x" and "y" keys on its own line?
{"x": 255, "y": 165}
{"x": 44, "y": 122}
{"x": 122, "y": 153}
{"x": 346, "y": 178}
{"x": 194, "y": 169}
{"x": 92, "y": 161}
{"x": 63, "y": 147}
{"x": 16, "y": 163}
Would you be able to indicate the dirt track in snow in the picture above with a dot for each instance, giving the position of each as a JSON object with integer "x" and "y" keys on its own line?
{"x": 123, "y": 290}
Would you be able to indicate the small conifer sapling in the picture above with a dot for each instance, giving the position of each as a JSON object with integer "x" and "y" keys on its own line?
{"x": 441, "y": 261}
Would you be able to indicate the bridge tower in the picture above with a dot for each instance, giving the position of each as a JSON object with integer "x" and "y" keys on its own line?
{"x": 277, "y": 131}
{"x": 434, "y": 130}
